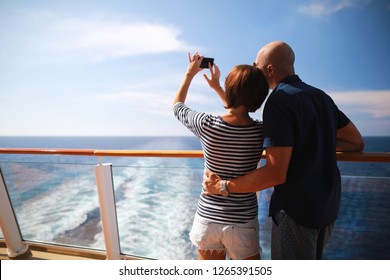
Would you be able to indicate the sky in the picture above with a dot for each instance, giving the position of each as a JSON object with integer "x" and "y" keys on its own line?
{"x": 112, "y": 68}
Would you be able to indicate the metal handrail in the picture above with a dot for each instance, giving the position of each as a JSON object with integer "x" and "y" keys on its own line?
{"x": 341, "y": 156}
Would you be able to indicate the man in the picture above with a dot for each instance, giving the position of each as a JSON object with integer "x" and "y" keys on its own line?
{"x": 303, "y": 129}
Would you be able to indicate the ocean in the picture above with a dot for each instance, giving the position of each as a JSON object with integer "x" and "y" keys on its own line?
{"x": 55, "y": 198}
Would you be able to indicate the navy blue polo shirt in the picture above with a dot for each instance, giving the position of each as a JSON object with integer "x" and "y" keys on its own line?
{"x": 303, "y": 117}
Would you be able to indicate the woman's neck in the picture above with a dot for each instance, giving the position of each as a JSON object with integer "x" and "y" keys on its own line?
{"x": 237, "y": 116}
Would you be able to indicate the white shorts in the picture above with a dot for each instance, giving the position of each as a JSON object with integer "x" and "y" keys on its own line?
{"x": 238, "y": 241}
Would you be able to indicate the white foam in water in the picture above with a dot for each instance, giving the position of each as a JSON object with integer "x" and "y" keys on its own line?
{"x": 155, "y": 207}
{"x": 156, "y": 212}
{"x": 62, "y": 208}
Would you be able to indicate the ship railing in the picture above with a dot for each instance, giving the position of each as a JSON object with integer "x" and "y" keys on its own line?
{"x": 105, "y": 188}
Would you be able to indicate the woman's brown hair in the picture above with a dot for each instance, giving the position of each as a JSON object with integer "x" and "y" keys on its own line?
{"x": 246, "y": 85}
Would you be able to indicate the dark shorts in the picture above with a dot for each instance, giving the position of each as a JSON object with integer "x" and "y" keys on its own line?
{"x": 291, "y": 241}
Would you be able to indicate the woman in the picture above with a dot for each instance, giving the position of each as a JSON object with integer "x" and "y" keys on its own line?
{"x": 232, "y": 145}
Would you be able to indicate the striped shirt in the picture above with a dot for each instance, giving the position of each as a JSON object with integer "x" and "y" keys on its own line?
{"x": 229, "y": 151}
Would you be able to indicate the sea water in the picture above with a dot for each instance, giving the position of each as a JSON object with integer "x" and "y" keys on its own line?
{"x": 55, "y": 198}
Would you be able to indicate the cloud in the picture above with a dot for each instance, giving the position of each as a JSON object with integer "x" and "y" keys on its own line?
{"x": 50, "y": 37}
{"x": 373, "y": 103}
{"x": 146, "y": 101}
{"x": 151, "y": 98}
{"x": 98, "y": 40}
{"x": 325, "y": 8}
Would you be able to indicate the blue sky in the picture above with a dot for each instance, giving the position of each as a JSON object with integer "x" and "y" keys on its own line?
{"x": 112, "y": 68}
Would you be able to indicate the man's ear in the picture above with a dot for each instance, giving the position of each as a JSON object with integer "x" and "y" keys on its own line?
{"x": 270, "y": 69}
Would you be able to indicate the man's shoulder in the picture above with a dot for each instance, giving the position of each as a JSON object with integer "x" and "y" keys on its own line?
{"x": 293, "y": 85}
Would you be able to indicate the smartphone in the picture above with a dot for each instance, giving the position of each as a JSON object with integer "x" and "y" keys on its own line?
{"x": 205, "y": 62}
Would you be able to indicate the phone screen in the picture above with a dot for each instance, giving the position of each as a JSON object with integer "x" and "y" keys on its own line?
{"x": 205, "y": 62}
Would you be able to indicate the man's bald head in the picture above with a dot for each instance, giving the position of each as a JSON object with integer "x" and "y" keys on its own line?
{"x": 276, "y": 60}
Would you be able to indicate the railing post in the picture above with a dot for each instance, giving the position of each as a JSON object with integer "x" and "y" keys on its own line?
{"x": 9, "y": 225}
{"x": 105, "y": 187}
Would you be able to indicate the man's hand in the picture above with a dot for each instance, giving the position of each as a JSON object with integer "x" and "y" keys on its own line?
{"x": 211, "y": 183}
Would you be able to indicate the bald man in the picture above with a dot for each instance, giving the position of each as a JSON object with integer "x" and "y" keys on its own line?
{"x": 303, "y": 129}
